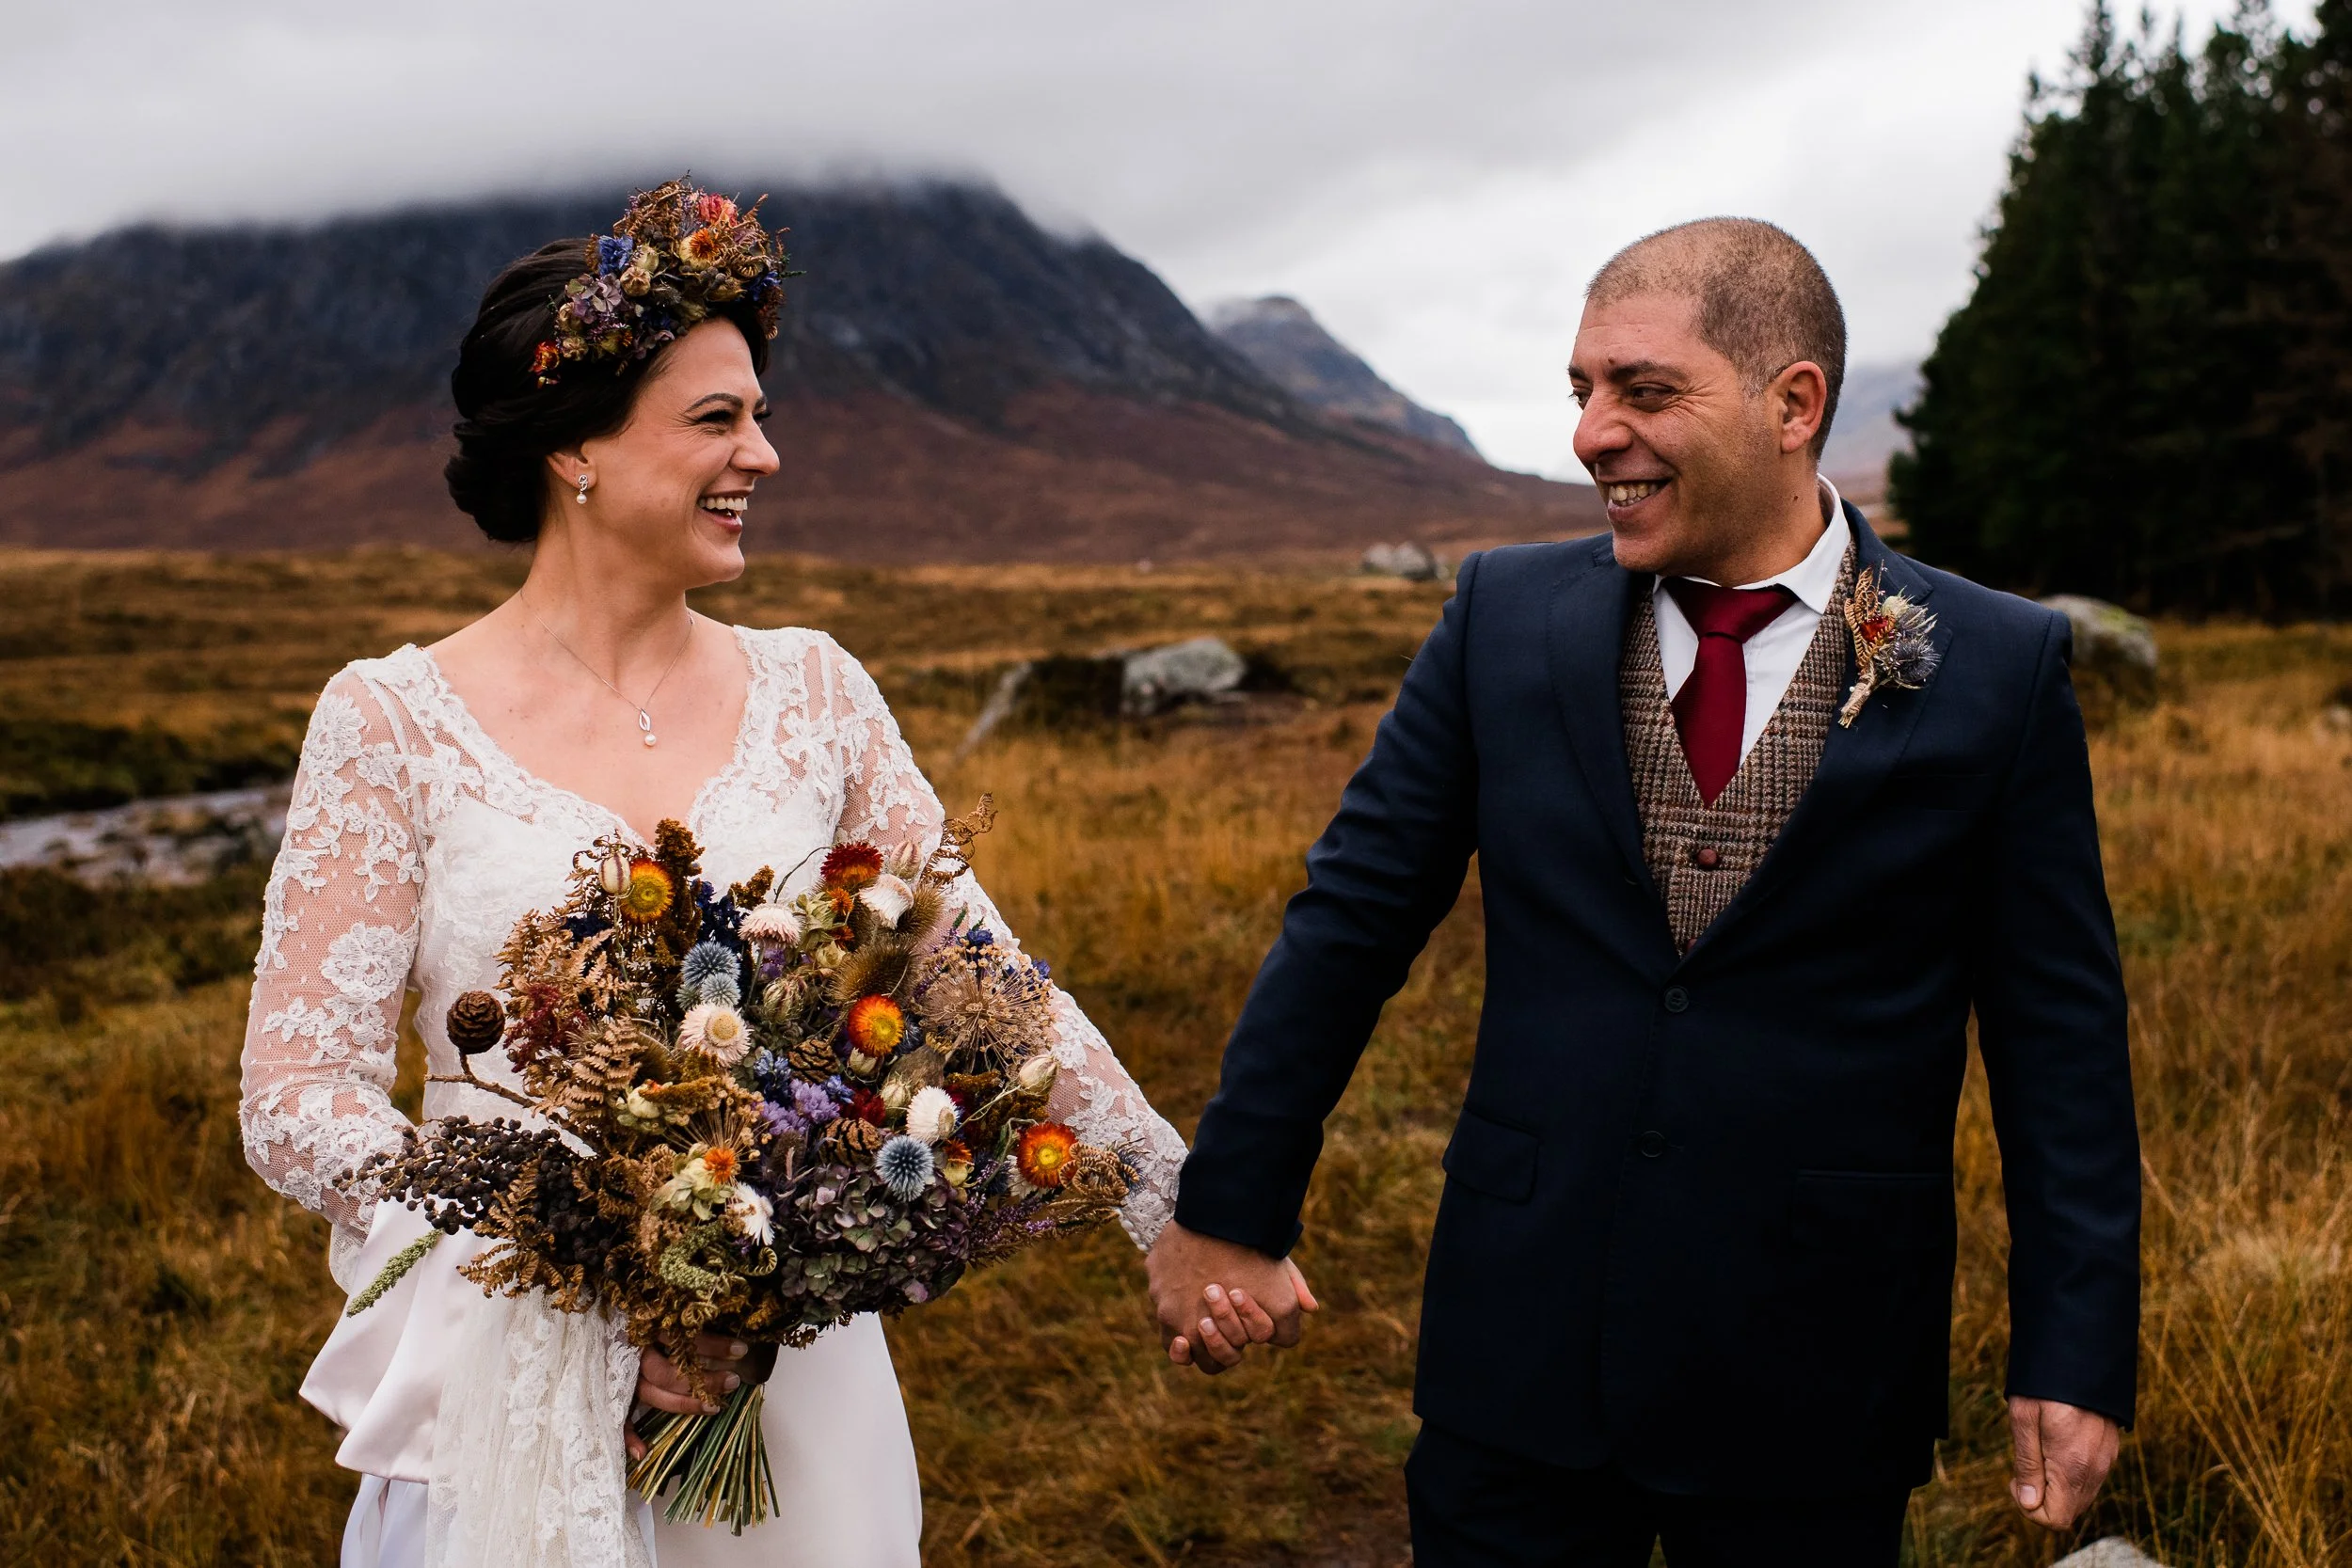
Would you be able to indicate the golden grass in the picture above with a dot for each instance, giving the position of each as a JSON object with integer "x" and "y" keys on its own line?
{"x": 157, "y": 1306}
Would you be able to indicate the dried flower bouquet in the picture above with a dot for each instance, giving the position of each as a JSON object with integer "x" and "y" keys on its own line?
{"x": 751, "y": 1115}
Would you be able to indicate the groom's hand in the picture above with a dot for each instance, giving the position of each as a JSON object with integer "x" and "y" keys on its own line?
{"x": 2063, "y": 1454}
{"x": 1214, "y": 1298}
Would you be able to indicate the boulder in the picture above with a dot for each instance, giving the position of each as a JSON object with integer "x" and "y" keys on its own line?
{"x": 2111, "y": 644}
{"x": 2112, "y": 1552}
{"x": 175, "y": 840}
{"x": 1199, "y": 671}
{"x": 1075, "y": 689}
{"x": 1411, "y": 561}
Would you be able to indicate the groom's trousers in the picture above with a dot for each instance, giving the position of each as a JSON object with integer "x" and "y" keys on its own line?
{"x": 1477, "y": 1506}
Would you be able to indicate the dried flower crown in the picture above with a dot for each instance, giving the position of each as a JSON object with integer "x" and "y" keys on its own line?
{"x": 674, "y": 254}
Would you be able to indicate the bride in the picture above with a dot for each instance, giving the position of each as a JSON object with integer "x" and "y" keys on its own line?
{"x": 609, "y": 414}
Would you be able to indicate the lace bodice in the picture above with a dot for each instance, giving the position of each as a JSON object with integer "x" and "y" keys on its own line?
{"x": 413, "y": 843}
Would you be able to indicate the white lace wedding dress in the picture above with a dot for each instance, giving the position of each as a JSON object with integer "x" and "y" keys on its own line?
{"x": 489, "y": 1430}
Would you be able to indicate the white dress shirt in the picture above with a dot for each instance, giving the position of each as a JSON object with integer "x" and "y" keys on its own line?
{"x": 1774, "y": 652}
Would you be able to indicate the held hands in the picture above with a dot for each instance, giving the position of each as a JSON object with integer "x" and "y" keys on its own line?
{"x": 1214, "y": 1298}
{"x": 2063, "y": 1454}
{"x": 727, "y": 1364}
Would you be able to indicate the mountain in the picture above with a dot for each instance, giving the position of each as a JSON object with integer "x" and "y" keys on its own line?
{"x": 1866, "y": 434}
{"x": 951, "y": 382}
{"x": 1283, "y": 339}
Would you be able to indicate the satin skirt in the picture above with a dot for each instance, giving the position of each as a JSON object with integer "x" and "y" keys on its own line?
{"x": 847, "y": 1490}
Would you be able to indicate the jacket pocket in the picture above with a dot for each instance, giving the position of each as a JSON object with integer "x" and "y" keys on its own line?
{"x": 1845, "y": 1210}
{"x": 1488, "y": 1157}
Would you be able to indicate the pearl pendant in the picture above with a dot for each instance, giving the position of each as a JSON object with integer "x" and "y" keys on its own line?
{"x": 645, "y": 722}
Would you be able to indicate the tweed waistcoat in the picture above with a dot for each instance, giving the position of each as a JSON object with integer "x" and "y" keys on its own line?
{"x": 1701, "y": 855}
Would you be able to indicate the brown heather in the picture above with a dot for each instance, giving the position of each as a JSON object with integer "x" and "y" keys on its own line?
{"x": 157, "y": 1306}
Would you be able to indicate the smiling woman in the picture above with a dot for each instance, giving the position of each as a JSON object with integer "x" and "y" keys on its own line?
{"x": 610, "y": 417}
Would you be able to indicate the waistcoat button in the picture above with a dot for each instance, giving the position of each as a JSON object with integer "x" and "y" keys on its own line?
{"x": 1677, "y": 999}
{"x": 1706, "y": 857}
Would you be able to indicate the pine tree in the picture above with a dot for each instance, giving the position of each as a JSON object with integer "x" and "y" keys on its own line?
{"x": 2115, "y": 409}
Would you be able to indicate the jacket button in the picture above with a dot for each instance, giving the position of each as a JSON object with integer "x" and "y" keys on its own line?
{"x": 1652, "y": 1144}
{"x": 1706, "y": 857}
{"x": 1677, "y": 999}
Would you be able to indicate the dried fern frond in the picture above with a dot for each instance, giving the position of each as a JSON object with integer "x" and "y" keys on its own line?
{"x": 953, "y": 857}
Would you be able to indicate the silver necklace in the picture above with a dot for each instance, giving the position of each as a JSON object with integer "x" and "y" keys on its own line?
{"x": 644, "y": 716}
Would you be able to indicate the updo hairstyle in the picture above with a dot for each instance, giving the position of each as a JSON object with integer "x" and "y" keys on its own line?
{"x": 507, "y": 424}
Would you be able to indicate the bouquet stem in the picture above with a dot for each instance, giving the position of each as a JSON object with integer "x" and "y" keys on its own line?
{"x": 720, "y": 1462}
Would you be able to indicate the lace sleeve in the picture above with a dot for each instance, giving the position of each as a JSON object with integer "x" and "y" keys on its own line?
{"x": 888, "y": 801}
{"x": 339, "y": 930}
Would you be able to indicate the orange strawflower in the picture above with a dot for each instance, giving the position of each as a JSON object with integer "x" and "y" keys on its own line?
{"x": 875, "y": 1025}
{"x": 647, "y": 896}
{"x": 1044, "y": 1154}
{"x": 720, "y": 1162}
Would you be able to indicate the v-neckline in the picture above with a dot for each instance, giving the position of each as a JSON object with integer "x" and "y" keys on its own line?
{"x": 479, "y": 740}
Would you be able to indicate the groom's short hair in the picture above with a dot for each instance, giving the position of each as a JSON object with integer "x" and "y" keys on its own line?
{"x": 1764, "y": 302}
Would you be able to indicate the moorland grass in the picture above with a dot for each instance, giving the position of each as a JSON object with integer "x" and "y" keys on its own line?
{"x": 158, "y": 1305}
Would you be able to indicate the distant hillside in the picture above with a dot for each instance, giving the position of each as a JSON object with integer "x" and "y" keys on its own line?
{"x": 1865, "y": 434}
{"x": 1283, "y": 339}
{"x": 951, "y": 381}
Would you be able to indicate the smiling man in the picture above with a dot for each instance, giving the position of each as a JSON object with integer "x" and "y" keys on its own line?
{"x": 1763, "y": 813}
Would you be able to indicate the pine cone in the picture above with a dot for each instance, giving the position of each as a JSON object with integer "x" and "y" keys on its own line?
{"x": 850, "y": 1141}
{"x": 813, "y": 1059}
{"x": 477, "y": 1021}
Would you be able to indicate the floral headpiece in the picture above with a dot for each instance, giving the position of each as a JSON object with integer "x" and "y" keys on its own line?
{"x": 675, "y": 253}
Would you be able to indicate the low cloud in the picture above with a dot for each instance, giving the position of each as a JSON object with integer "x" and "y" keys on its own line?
{"x": 1435, "y": 181}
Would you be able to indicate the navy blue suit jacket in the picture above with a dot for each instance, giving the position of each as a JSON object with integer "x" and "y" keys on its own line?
{"x": 1698, "y": 1214}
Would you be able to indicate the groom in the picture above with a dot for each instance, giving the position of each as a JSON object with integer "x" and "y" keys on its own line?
{"x": 1692, "y": 1274}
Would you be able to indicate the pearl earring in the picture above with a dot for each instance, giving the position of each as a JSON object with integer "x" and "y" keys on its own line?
{"x": 582, "y": 497}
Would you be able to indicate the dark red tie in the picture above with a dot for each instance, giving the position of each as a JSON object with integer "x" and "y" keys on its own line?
{"x": 1713, "y": 706}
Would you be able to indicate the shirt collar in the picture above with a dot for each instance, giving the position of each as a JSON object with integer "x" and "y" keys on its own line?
{"x": 1814, "y": 579}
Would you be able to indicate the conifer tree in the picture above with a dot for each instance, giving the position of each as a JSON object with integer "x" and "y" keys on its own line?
{"x": 2126, "y": 406}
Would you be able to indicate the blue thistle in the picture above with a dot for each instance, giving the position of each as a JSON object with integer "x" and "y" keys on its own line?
{"x": 1912, "y": 657}
{"x": 711, "y": 972}
{"x": 706, "y": 959}
{"x": 905, "y": 1166}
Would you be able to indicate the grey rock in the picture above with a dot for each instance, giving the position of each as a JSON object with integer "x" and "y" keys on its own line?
{"x": 1119, "y": 683}
{"x": 2111, "y": 644}
{"x": 1414, "y": 563}
{"x": 999, "y": 707}
{"x": 2112, "y": 1552}
{"x": 1157, "y": 679}
{"x": 176, "y": 839}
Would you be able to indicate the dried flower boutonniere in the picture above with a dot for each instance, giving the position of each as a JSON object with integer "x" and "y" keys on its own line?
{"x": 1890, "y": 643}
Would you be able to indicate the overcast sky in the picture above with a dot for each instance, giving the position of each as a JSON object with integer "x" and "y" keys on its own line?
{"x": 1436, "y": 179}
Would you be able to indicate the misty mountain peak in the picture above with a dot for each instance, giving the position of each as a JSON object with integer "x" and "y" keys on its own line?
{"x": 1291, "y": 349}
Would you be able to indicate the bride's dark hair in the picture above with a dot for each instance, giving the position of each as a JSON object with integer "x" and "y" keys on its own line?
{"x": 507, "y": 422}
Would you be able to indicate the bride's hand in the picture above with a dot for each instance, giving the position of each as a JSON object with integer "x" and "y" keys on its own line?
{"x": 726, "y": 1364}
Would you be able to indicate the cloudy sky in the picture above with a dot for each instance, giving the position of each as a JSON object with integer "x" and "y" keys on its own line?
{"x": 1435, "y": 178}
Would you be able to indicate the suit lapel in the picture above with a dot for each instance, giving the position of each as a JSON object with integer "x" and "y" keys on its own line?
{"x": 1584, "y": 638}
{"x": 1855, "y": 762}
